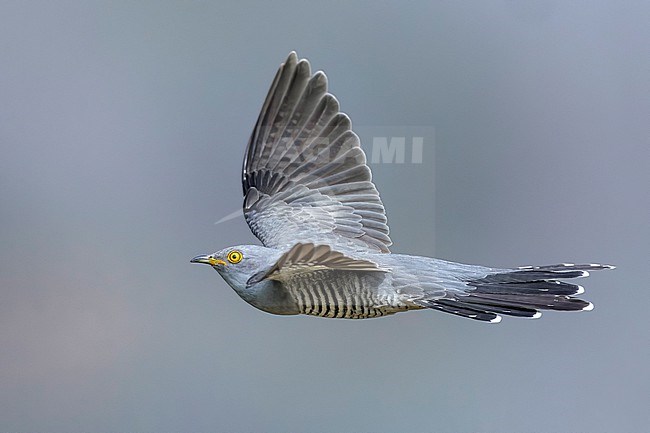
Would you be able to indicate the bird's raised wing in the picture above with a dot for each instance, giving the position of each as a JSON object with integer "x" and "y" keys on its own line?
{"x": 305, "y": 177}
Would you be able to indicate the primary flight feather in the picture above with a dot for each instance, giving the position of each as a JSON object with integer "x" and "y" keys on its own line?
{"x": 309, "y": 198}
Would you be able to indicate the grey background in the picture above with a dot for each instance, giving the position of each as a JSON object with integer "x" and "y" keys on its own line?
{"x": 122, "y": 128}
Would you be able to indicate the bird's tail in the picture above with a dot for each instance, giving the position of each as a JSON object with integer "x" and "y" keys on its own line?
{"x": 518, "y": 292}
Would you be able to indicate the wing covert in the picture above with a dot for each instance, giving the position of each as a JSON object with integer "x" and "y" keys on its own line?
{"x": 304, "y": 258}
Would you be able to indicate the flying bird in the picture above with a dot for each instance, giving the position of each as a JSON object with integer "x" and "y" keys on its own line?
{"x": 310, "y": 199}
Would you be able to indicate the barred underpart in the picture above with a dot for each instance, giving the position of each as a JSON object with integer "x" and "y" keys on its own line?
{"x": 345, "y": 295}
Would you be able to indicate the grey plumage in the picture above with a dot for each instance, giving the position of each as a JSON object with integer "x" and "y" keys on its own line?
{"x": 305, "y": 176}
{"x": 309, "y": 197}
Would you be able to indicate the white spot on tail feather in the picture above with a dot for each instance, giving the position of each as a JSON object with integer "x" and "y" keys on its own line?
{"x": 601, "y": 266}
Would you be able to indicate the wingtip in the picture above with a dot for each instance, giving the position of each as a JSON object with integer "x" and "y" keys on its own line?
{"x": 304, "y": 66}
{"x": 292, "y": 58}
{"x": 320, "y": 78}
{"x": 589, "y": 307}
{"x": 497, "y": 319}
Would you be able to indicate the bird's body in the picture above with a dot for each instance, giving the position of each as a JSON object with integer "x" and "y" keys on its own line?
{"x": 309, "y": 197}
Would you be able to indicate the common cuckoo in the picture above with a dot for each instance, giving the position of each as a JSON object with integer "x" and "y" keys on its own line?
{"x": 309, "y": 198}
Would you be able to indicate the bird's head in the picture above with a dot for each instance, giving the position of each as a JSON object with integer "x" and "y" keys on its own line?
{"x": 239, "y": 263}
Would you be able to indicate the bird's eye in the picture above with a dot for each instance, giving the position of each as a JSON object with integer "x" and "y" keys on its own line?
{"x": 235, "y": 256}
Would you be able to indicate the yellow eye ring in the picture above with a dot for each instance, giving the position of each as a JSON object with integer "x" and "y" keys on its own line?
{"x": 235, "y": 256}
